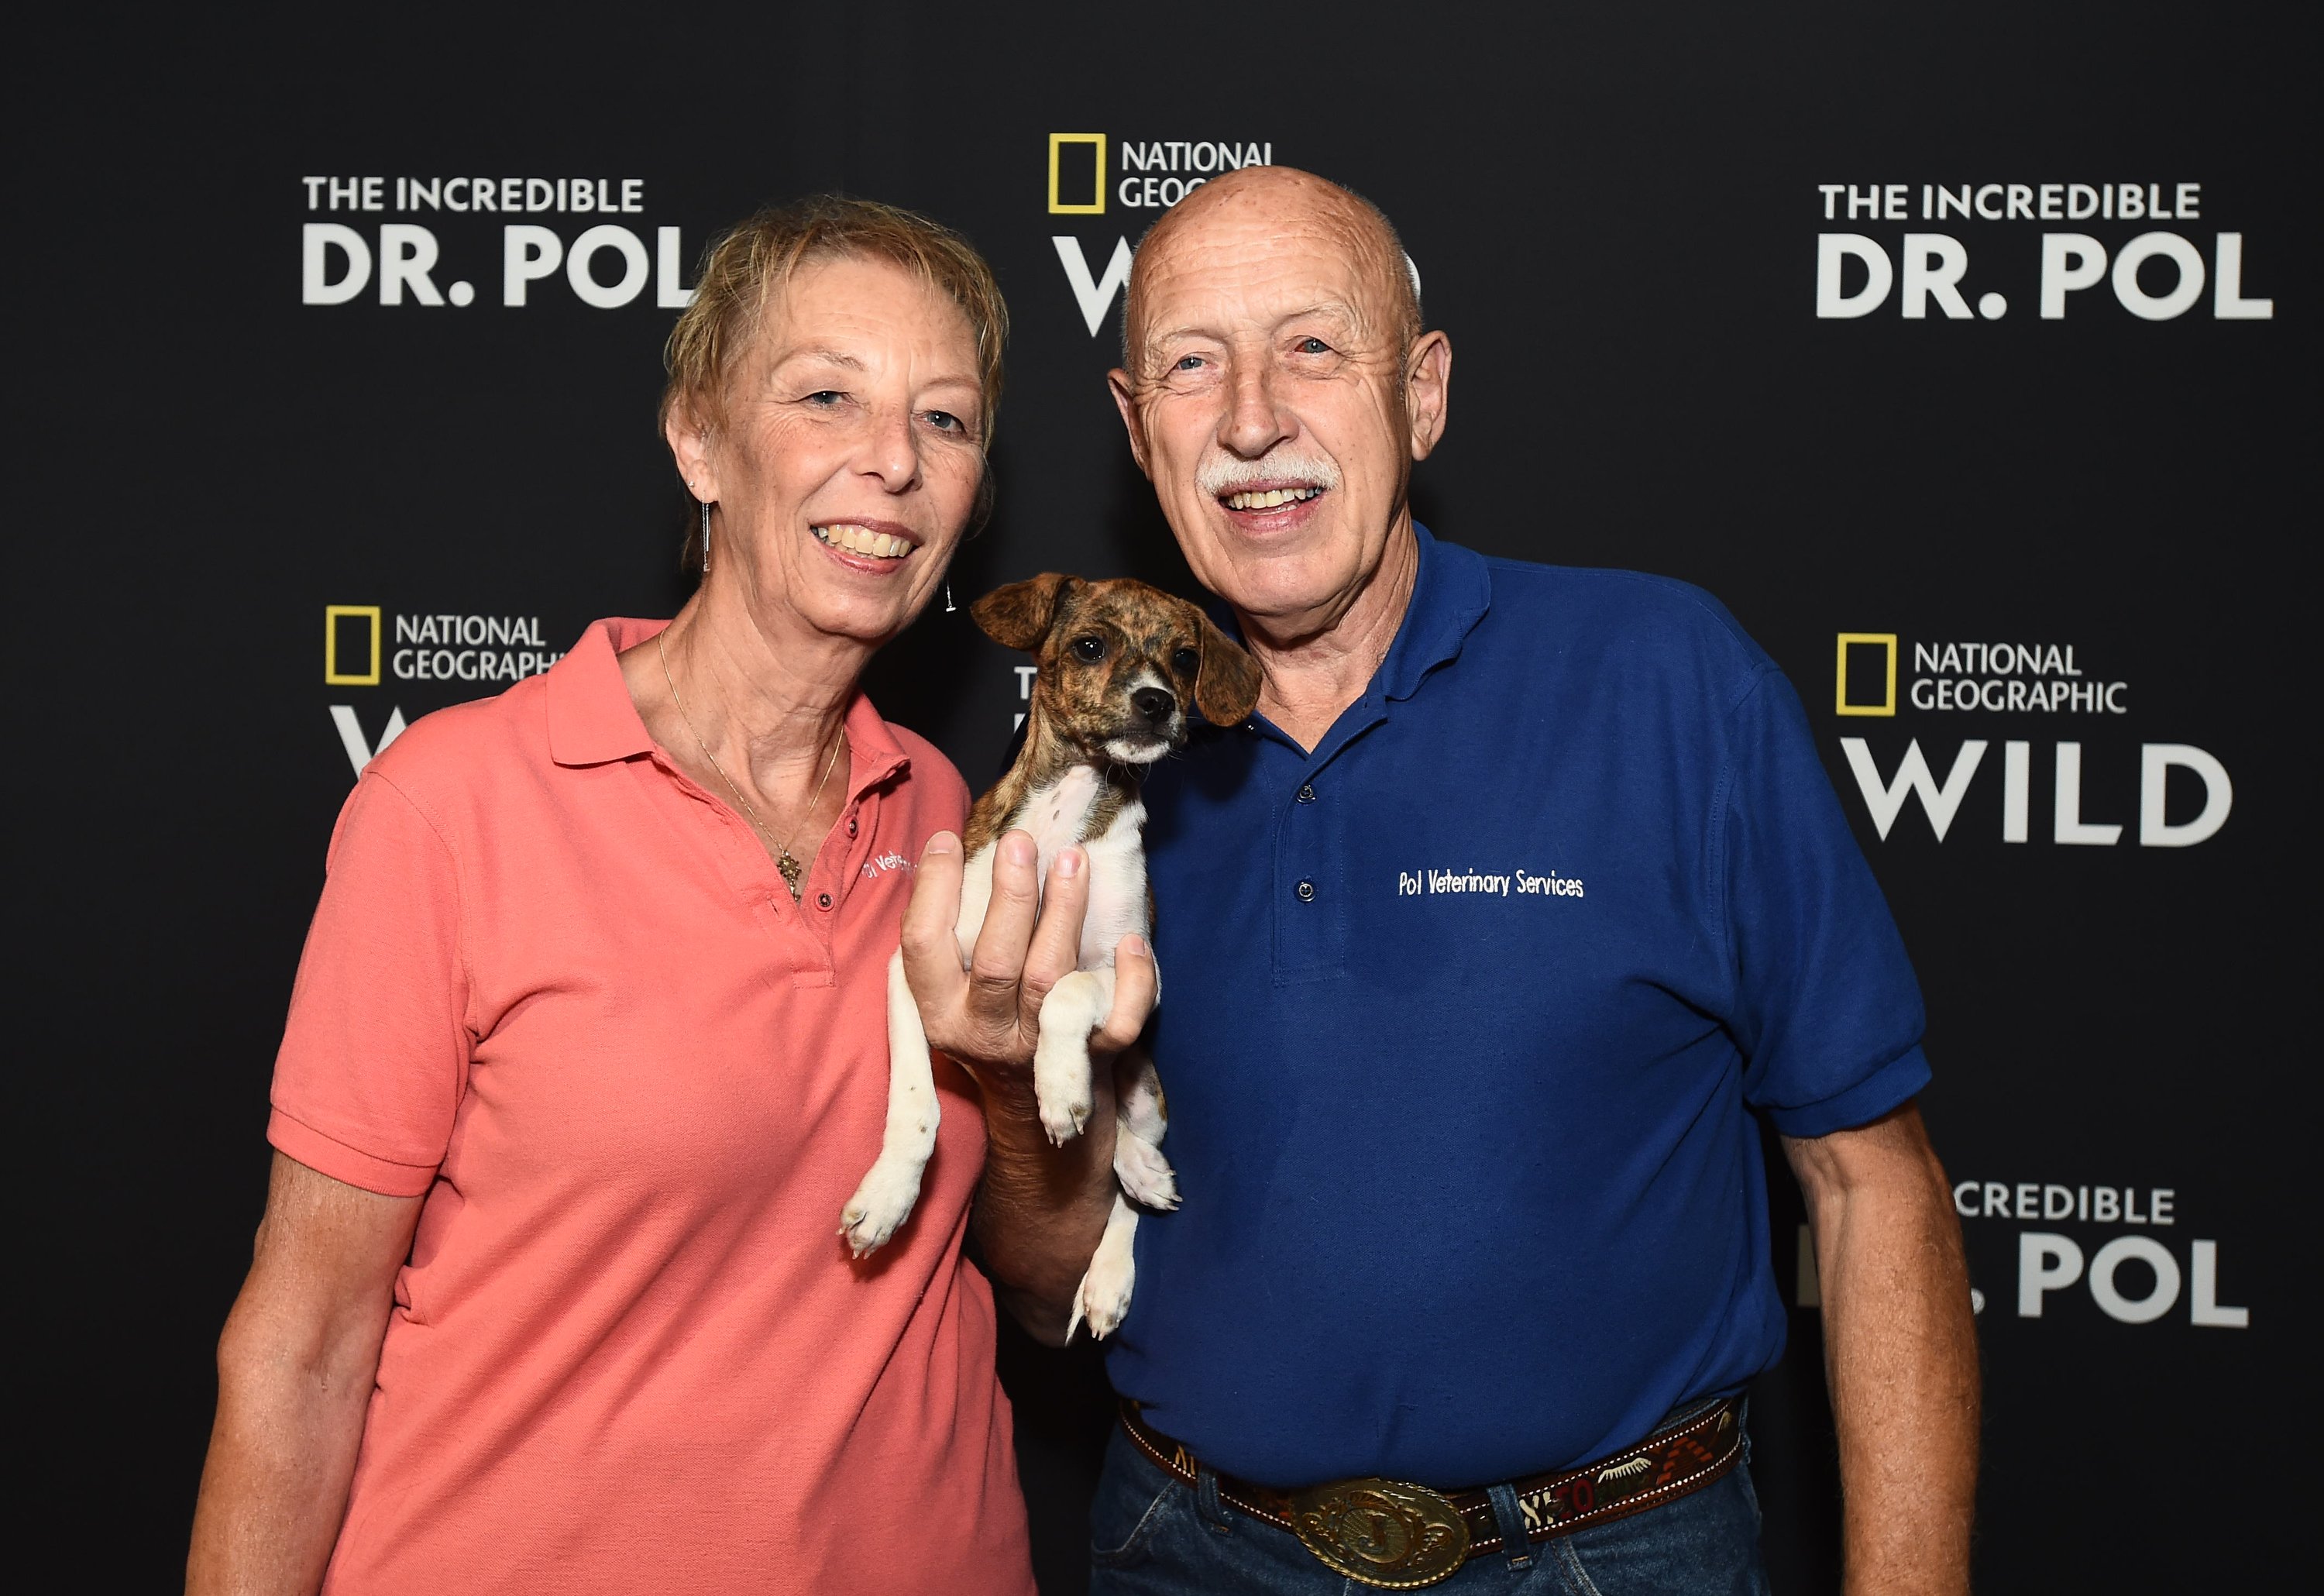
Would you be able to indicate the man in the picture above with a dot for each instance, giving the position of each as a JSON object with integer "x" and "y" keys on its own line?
{"x": 1523, "y": 887}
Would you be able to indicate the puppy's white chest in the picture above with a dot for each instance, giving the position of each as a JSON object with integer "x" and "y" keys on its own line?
{"x": 1117, "y": 904}
{"x": 1056, "y": 816}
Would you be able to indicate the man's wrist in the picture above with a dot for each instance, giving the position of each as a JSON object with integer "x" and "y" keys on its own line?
{"x": 1009, "y": 1092}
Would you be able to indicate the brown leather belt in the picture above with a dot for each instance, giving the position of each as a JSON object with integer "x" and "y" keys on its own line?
{"x": 1400, "y": 1536}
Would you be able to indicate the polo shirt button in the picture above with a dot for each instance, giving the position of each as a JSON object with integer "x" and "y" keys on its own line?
{"x": 851, "y": 825}
{"x": 1307, "y": 891}
{"x": 823, "y": 900}
{"x": 1308, "y": 794}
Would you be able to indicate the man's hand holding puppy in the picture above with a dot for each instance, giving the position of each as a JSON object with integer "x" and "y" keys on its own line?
{"x": 1042, "y": 1208}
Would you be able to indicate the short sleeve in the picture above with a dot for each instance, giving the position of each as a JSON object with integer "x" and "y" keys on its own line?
{"x": 375, "y": 1055}
{"x": 1826, "y": 1009}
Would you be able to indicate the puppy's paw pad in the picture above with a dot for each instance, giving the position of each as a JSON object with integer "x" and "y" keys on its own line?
{"x": 881, "y": 1204}
{"x": 1144, "y": 1173}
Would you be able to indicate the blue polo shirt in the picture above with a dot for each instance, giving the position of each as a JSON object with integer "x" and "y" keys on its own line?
{"x": 1466, "y": 1013}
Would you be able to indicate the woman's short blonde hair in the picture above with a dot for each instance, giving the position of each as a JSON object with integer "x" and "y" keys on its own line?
{"x": 745, "y": 266}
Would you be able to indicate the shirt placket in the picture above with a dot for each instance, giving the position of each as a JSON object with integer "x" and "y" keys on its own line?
{"x": 1311, "y": 887}
{"x": 838, "y": 871}
{"x": 802, "y": 947}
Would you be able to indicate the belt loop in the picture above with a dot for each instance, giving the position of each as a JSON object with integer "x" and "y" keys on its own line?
{"x": 1510, "y": 1518}
{"x": 1207, "y": 1502}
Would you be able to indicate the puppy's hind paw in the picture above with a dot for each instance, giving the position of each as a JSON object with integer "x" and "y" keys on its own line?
{"x": 1103, "y": 1298}
{"x": 1144, "y": 1173}
{"x": 883, "y": 1202}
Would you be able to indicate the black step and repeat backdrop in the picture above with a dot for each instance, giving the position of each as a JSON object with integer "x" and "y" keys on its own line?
{"x": 1965, "y": 353}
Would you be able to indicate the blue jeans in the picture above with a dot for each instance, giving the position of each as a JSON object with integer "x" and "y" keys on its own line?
{"x": 1152, "y": 1536}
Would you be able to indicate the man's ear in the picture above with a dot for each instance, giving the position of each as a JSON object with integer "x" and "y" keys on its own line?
{"x": 1428, "y": 391}
{"x": 1018, "y": 616}
{"x": 1125, "y": 399}
{"x": 1226, "y": 685}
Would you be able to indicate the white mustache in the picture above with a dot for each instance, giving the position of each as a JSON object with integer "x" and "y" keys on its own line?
{"x": 1219, "y": 474}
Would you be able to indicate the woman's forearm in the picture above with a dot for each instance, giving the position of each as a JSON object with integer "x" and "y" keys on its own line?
{"x": 296, "y": 1369}
{"x": 289, "y": 1420}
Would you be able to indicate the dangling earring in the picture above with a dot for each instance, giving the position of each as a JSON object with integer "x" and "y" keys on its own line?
{"x": 948, "y": 604}
{"x": 705, "y": 539}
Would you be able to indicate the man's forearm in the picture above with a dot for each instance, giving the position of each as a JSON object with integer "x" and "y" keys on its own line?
{"x": 1900, "y": 1351}
{"x": 1041, "y": 1209}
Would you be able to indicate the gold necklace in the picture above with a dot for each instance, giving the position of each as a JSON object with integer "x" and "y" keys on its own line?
{"x": 791, "y": 868}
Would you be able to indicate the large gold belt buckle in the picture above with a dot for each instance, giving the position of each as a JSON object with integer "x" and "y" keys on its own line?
{"x": 1381, "y": 1532}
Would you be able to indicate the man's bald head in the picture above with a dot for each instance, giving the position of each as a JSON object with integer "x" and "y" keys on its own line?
{"x": 1281, "y": 198}
{"x": 1278, "y": 389}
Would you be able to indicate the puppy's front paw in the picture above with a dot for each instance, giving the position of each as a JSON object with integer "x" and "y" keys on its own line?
{"x": 1065, "y": 1120}
{"x": 880, "y": 1205}
{"x": 1102, "y": 1297}
{"x": 1144, "y": 1173}
{"x": 1061, "y": 1086}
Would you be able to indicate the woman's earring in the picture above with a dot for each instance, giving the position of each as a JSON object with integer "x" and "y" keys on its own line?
{"x": 948, "y": 604}
{"x": 706, "y": 538}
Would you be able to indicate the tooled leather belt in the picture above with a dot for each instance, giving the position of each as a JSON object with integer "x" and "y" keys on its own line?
{"x": 1400, "y": 1537}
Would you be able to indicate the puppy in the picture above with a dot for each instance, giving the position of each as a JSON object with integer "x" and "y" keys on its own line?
{"x": 1119, "y": 662}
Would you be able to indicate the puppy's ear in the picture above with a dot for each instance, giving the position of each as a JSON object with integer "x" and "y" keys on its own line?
{"x": 1226, "y": 686}
{"x": 1018, "y": 616}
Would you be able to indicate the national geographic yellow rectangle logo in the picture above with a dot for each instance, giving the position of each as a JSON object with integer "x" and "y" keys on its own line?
{"x": 1061, "y": 179}
{"x": 1843, "y": 703}
{"x": 333, "y": 614}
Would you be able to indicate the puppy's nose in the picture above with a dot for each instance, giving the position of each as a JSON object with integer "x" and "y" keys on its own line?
{"x": 1154, "y": 704}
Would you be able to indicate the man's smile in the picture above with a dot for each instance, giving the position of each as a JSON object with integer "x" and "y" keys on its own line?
{"x": 1268, "y": 498}
{"x": 1272, "y": 504}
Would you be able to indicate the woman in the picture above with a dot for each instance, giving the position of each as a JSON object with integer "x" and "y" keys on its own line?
{"x": 590, "y": 1028}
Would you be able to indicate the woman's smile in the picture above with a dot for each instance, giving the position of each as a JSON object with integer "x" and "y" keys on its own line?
{"x": 866, "y": 545}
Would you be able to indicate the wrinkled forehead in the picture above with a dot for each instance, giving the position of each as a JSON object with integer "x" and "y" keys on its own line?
{"x": 846, "y": 309}
{"x": 1238, "y": 269}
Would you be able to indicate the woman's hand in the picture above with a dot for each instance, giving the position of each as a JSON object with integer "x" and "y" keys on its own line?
{"x": 988, "y": 1016}
{"x": 1040, "y": 1210}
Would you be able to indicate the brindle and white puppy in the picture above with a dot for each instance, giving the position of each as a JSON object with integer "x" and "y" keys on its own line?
{"x": 1119, "y": 661}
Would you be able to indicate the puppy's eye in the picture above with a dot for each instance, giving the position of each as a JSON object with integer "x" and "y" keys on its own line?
{"x": 1186, "y": 662}
{"x": 1089, "y": 651}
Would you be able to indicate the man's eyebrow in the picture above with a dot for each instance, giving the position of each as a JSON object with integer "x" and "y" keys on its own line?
{"x": 1339, "y": 308}
{"x": 1168, "y": 334}
{"x": 1338, "y": 311}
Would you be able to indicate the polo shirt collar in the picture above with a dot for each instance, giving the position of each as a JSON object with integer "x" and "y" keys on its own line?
{"x": 873, "y": 755}
{"x": 1450, "y": 595}
{"x": 592, "y": 720}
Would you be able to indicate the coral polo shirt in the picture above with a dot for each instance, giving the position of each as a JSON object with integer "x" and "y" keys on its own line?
{"x": 559, "y": 990}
